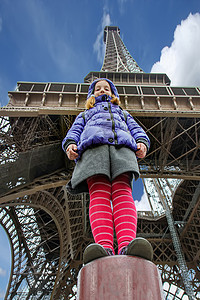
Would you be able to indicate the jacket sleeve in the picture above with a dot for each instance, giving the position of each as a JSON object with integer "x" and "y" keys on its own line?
{"x": 74, "y": 133}
{"x": 137, "y": 131}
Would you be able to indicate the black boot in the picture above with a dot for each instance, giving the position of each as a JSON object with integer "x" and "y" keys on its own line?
{"x": 94, "y": 251}
{"x": 139, "y": 247}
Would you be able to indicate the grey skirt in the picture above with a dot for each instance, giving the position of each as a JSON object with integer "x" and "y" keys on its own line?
{"x": 105, "y": 160}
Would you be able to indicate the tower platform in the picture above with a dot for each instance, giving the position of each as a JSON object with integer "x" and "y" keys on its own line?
{"x": 119, "y": 278}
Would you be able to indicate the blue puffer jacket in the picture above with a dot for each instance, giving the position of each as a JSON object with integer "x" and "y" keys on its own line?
{"x": 105, "y": 123}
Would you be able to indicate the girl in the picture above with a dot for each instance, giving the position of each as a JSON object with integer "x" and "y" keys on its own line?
{"x": 105, "y": 142}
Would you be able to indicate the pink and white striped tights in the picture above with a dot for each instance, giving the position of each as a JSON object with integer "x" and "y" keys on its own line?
{"x": 112, "y": 205}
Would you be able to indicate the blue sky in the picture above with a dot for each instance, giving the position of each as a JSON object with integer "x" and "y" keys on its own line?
{"x": 45, "y": 40}
{"x": 61, "y": 41}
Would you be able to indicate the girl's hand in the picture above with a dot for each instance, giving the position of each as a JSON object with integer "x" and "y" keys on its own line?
{"x": 141, "y": 150}
{"x": 71, "y": 151}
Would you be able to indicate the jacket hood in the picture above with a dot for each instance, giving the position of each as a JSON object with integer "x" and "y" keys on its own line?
{"x": 112, "y": 86}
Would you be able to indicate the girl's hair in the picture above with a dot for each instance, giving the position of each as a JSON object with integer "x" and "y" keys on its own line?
{"x": 90, "y": 102}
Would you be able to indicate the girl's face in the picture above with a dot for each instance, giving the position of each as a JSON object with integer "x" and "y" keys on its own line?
{"x": 102, "y": 87}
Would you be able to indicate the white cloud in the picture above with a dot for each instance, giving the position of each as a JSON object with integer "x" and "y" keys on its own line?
{"x": 2, "y": 272}
{"x": 48, "y": 41}
{"x": 121, "y": 5}
{"x": 99, "y": 46}
{"x": 143, "y": 204}
{"x": 181, "y": 61}
{"x": 45, "y": 30}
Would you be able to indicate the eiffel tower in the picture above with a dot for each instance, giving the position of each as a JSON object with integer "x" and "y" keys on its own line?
{"x": 48, "y": 228}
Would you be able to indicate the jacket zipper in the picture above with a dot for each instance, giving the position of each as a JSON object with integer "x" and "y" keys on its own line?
{"x": 113, "y": 123}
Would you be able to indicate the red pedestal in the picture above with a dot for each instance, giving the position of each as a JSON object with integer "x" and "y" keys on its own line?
{"x": 119, "y": 278}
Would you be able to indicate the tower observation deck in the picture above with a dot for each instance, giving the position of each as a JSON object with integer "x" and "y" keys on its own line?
{"x": 49, "y": 229}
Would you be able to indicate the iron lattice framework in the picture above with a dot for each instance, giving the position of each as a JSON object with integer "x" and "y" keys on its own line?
{"x": 117, "y": 57}
{"x": 48, "y": 228}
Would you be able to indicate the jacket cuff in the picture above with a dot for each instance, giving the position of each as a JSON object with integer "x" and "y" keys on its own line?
{"x": 144, "y": 142}
{"x": 67, "y": 143}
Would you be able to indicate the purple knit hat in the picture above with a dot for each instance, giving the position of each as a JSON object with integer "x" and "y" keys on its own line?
{"x": 112, "y": 86}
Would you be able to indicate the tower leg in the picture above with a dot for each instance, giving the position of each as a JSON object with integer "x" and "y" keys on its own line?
{"x": 119, "y": 278}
